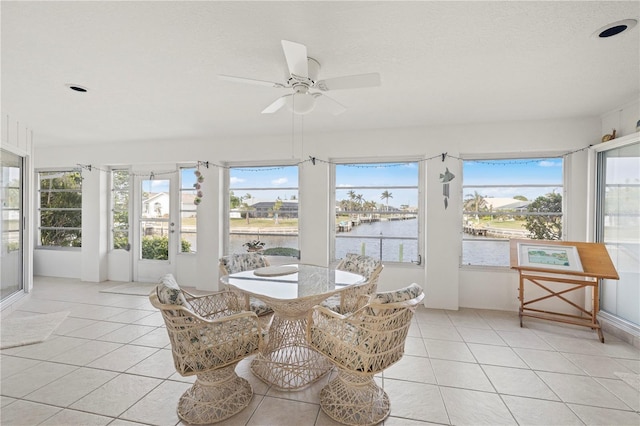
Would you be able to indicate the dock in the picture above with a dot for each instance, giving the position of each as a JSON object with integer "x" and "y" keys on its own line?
{"x": 473, "y": 230}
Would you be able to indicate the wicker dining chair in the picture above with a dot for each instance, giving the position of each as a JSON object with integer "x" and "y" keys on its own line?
{"x": 245, "y": 262}
{"x": 347, "y": 300}
{"x": 360, "y": 345}
{"x": 209, "y": 335}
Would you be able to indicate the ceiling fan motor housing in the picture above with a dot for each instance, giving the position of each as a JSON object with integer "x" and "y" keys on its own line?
{"x": 296, "y": 81}
{"x": 302, "y": 78}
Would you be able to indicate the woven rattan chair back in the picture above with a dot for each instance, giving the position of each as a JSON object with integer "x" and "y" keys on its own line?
{"x": 209, "y": 336}
{"x": 348, "y": 300}
{"x": 240, "y": 262}
{"x": 362, "y": 344}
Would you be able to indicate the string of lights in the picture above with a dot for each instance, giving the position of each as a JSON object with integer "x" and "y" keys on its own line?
{"x": 313, "y": 160}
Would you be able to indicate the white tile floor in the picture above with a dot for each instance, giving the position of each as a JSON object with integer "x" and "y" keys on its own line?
{"x": 110, "y": 363}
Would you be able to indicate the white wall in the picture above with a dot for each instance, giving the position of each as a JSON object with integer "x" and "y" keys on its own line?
{"x": 446, "y": 284}
{"x": 624, "y": 119}
{"x": 95, "y": 237}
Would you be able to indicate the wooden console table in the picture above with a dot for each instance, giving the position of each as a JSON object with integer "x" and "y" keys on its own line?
{"x": 596, "y": 265}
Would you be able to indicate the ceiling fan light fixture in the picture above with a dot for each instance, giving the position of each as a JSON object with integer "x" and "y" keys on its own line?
{"x": 301, "y": 103}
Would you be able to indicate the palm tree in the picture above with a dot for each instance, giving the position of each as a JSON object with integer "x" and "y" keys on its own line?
{"x": 352, "y": 197}
{"x": 475, "y": 202}
{"x": 244, "y": 206}
{"x": 369, "y": 205}
{"x": 385, "y": 196}
{"x": 275, "y": 209}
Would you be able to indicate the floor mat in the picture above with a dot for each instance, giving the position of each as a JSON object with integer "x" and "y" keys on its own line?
{"x": 21, "y": 331}
{"x": 135, "y": 289}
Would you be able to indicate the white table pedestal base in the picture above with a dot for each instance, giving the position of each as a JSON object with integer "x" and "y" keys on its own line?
{"x": 288, "y": 363}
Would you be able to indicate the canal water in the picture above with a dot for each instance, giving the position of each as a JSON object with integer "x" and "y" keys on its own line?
{"x": 366, "y": 238}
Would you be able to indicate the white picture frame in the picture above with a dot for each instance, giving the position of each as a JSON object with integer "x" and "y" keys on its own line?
{"x": 560, "y": 257}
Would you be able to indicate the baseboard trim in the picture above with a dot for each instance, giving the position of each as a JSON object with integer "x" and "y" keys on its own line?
{"x": 623, "y": 330}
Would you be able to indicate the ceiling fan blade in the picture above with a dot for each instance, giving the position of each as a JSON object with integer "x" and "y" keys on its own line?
{"x": 349, "y": 82}
{"x": 296, "y": 56}
{"x": 276, "y": 105}
{"x": 249, "y": 81}
{"x": 333, "y": 106}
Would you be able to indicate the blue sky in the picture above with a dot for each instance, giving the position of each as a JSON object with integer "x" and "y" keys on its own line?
{"x": 156, "y": 185}
{"x": 264, "y": 177}
{"x": 546, "y": 171}
{"x": 275, "y": 180}
{"x": 498, "y": 172}
{"x": 357, "y": 178}
{"x": 161, "y": 183}
{"x": 394, "y": 174}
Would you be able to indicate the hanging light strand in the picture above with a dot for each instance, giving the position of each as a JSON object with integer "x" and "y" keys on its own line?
{"x": 314, "y": 160}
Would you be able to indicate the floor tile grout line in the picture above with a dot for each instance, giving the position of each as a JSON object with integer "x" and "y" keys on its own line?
{"x": 420, "y": 325}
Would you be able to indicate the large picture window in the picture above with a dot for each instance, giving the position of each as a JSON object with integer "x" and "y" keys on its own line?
{"x": 120, "y": 196}
{"x": 377, "y": 210}
{"x": 509, "y": 198}
{"x": 60, "y": 208}
{"x": 263, "y": 210}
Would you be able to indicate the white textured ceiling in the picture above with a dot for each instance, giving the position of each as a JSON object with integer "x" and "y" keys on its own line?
{"x": 151, "y": 67}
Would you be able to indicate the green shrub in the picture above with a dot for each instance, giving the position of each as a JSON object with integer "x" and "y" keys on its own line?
{"x": 121, "y": 243}
{"x": 157, "y": 247}
{"x": 282, "y": 251}
{"x": 545, "y": 227}
{"x": 185, "y": 246}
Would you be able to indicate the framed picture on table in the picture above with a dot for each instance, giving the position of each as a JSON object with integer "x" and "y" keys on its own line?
{"x": 563, "y": 258}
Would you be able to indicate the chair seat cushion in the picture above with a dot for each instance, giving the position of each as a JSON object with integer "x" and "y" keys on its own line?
{"x": 259, "y": 307}
{"x": 211, "y": 346}
{"x": 356, "y": 349}
{"x": 332, "y": 303}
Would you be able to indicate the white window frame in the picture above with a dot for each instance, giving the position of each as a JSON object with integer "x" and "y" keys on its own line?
{"x": 38, "y": 242}
{"x": 181, "y": 190}
{"x": 227, "y": 188}
{"x": 421, "y": 187}
{"x": 112, "y": 208}
{"x": 515, "y": 157}
{"x": 593, "y": 221}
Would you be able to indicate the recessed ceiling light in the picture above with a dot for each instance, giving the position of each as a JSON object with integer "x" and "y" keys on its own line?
{"x": 77, "y": 88}
{"x": 615, "y": 28}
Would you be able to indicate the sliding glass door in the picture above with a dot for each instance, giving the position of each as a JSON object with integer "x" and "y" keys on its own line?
{"x": 618, "y": 226}
{"x": 11, "y": 229}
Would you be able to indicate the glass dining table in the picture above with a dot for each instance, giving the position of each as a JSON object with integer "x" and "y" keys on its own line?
{"x": 287, "y": 362}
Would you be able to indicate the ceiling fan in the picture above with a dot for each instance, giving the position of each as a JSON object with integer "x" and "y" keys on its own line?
{"x": 303, "y": 74}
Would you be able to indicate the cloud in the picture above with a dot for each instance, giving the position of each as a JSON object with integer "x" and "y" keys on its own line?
{"x": 280, "y": 181}
{"x": 547, "y": 163}
{"x": 235, "y": 180}
{"x": 344, "y": 185}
